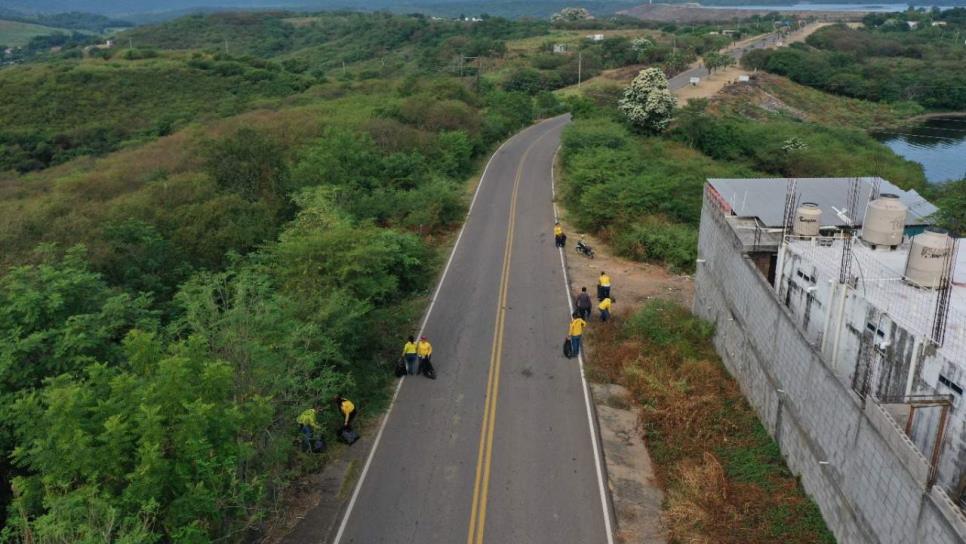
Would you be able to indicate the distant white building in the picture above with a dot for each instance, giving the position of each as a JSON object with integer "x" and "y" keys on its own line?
{"x": 939, "y": 23}
{"x": 912, "y": 24}
{"x": 596, "y": 37}
{"x": 559, "y": 48}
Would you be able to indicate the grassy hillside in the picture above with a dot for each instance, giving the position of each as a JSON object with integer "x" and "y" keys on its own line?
{"x": 55, "y": 111}
{"x": 201, "y": 245}
{"x": 17, "y": 34}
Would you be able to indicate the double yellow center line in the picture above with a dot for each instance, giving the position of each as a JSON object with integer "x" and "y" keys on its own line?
{"x": 482, "y": 484}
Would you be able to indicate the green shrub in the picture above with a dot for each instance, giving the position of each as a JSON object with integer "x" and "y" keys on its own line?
{"x": 657, "y": 240}
{"x": 668, "y": 324}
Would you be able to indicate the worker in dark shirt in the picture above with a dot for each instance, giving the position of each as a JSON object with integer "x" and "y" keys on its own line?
{"x": 583, "y": 304}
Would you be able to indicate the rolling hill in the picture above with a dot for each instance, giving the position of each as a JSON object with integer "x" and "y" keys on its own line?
{"x": 15, "y": 33}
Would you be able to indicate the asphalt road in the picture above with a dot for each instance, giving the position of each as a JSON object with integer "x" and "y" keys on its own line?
{"x": 529, "y": 473}
{"x": 684, "y": 78}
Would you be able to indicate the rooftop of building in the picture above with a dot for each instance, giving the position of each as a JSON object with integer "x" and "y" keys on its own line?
{"x": 764, "y": 198}
{"x": 879, "y": 279}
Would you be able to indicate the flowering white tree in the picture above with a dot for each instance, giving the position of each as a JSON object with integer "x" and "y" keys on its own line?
{"x": 571, "y": 14}
{"x": 640, "y": 45}
{"x": 648, "y": 103}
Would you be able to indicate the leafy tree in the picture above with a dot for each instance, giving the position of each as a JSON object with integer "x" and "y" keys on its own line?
{"x": 140, "y": 259}
{"x": 716, "y": 60}
{"x": 525, "y": 80}
{"x": 57, "y": 316}
{"x": 641, "y": 45}
{"x": 648, "y": 103}
{"x": 675, "y": 63}
{"x": 951, "y": 199}
{"x": 570, "y": 15}
{"x": 251, "y": 164}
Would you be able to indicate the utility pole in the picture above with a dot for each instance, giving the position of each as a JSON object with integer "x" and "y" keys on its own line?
{"x": 580, "y": 67}
{"x": 343, "y": 67}
{"x": 479, "y": 71}
{"x": 462, "y": 60}
{"x": 226, "y": 46}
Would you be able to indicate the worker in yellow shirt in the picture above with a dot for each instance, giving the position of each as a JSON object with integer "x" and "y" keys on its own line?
{"x": 308, "y": 426}
{"x": 604, "y": 308}
{"x": 559, "y": 237}
{"x": 424, "y": 350}
{"x": 577, "y": 325}
{"x": 409, "y": 355}
{"x": 347, "y": 409}
{"x": 603, "y": 286}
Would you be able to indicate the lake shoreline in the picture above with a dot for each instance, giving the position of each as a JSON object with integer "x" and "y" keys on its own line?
{"x": 935, "y": 140}
{"x": 933, "y": 115}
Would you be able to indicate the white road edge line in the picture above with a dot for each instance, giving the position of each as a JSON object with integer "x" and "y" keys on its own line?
{"x": 422, "y": 327}
{"x": 580, "y": 359}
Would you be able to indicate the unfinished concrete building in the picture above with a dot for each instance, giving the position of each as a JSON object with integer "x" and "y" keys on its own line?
{"x": 841, "y": 313}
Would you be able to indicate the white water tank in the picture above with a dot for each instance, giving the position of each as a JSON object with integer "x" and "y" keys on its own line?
{"x": 885, "y": 221}
{"x": 928, "y": 256}
{"x": 808, "y": 220}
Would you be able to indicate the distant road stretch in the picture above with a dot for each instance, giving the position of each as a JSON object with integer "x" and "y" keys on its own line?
{"x": 682, "y": 79}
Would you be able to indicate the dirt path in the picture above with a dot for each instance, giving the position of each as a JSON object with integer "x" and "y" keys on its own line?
{"x": 713, "y": 83}
{"x": 634, "y": 283}
{"x": 709, "y": 86}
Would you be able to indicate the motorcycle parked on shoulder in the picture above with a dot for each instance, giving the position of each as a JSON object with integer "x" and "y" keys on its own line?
{"x": 584, "y": 249}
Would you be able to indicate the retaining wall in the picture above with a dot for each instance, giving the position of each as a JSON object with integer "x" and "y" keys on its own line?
{"x": 866, "y": 476}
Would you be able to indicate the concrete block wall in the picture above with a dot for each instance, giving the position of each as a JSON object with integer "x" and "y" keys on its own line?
{"x": 866, "y": 476}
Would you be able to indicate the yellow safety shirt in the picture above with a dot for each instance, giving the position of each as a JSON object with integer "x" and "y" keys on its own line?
{"x": 347, "y": 408}
{"x": 307, "y": 418}
{"x": 577, "y": 327}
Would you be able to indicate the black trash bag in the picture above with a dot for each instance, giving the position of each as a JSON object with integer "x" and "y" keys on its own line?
{"x": 400, "y": 369}
{"x": 568, "y": 348}
{"x": 426, "y": 369}
{"x": 318, "y": 445}
{"x": 348, "y": 436}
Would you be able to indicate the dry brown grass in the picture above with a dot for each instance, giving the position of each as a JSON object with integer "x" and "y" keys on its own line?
{"x": 724, "y": 477}
{"x": 700, "y": 503}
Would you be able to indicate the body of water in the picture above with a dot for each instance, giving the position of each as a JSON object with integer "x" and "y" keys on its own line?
{"x": 878, "y": 8}
{"x": 938, "y": 144}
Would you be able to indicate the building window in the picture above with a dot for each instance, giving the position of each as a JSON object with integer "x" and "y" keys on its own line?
{"x": 804, "y": 276}
{"x": 948, "y": 386}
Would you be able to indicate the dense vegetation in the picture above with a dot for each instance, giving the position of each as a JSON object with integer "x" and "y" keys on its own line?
{"x": 122, "y": 95}
{"x": 887, "y": 61}
{"x": 124, "y": 99}
{"x": 643, "y": 193}
{"x": 70, "y": 20}
{"x": 167, "y": 309}
{"x": 725, "y": 477}
{"x": 325, "y": 41}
